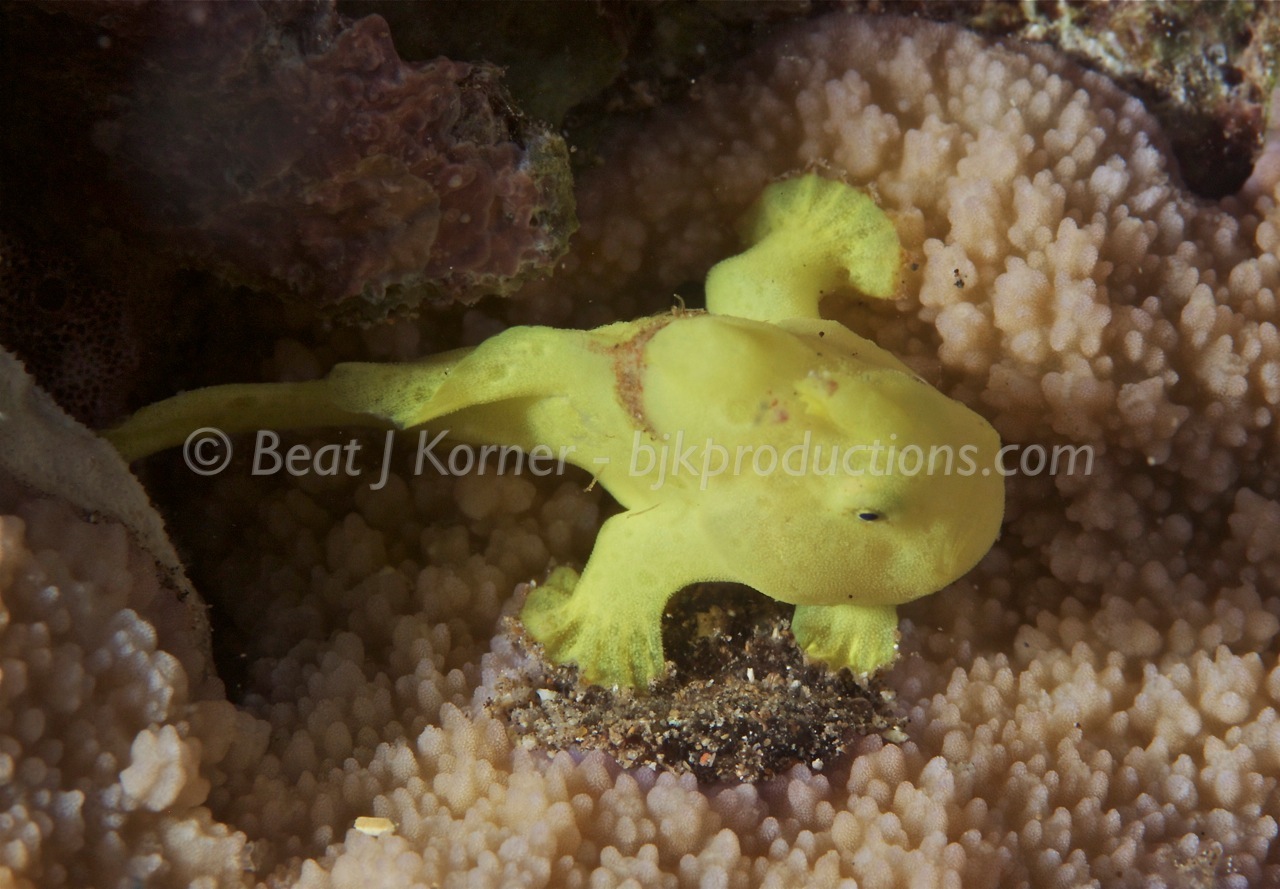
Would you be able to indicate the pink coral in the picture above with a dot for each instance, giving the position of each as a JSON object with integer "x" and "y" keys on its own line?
{"x": 1096, "y": 705}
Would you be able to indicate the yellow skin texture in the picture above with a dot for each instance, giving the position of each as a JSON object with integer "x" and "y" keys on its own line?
{"x": 759, "y": 373}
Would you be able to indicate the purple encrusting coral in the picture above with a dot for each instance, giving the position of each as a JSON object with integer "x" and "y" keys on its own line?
{"x": 288, "y": 150}
{"x": 77, "y": 334}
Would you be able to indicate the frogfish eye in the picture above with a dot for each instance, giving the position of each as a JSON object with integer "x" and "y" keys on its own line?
{"x": 868, "y": 516}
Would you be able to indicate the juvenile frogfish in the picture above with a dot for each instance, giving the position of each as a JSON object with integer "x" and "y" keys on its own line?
{"x": 753, "y": 442}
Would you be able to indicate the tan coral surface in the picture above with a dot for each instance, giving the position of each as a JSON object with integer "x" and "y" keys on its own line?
{"x": 1095, "y": 705}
